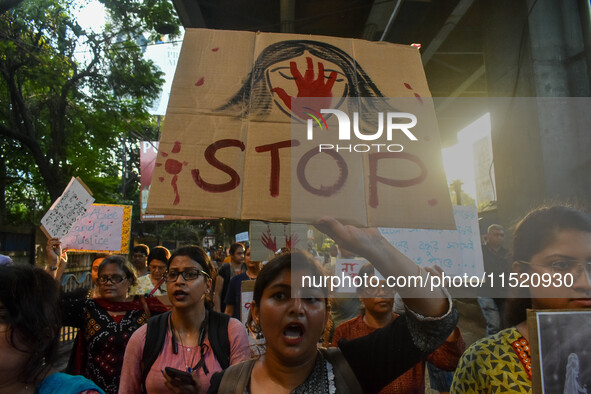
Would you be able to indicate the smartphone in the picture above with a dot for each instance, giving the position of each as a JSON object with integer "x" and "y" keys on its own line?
{"x": 182, "y": 377}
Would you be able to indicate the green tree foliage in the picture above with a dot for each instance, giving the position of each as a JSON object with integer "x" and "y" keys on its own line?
{"x": 60, "y": 116}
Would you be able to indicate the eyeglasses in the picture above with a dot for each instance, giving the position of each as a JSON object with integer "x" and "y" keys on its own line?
{"x": 385, "y": 290}
{"x": 114, "y": 279}
{"x": 190, "y": 274}
{"x": 566, "y": 267}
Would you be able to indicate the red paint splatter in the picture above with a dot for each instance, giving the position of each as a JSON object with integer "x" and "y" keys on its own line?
{"x": 433, "y": 202}
{"x": 215, "y": 49}
{"x": 200, "y": 82}
{"x": 418, "y": 96}
{"x": 90, "y": 221}
{"x": 158, "y": 164}
{"x": 173, "y": 167}
{"x": 427, "y": 139}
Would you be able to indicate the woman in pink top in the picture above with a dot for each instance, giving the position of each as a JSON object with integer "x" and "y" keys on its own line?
{"x": 186, "y": 346}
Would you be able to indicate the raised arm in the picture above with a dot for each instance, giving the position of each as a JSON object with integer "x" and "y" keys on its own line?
{"x": 389, "y": 261}
{"x": 57, "y": 259}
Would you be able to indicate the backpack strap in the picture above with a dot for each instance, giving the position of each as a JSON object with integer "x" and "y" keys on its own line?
{"x": 217, "y": 332}
{"x": 345, "y": 379}
{"x": 155, "y": 336}
{"x": 236, "y": 377}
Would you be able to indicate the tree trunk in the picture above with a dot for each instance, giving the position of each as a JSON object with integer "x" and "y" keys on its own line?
{"x": 3, "y": 213}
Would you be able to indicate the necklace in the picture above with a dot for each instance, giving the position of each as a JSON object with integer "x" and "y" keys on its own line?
{"x": 190, "y": 367}
{"x": 188, "y": 349}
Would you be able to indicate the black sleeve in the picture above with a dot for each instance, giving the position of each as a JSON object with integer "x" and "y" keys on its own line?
{"x": 72, "y": 305}
{"x": 214, "y": 382}
{"x": 382, "y": 356}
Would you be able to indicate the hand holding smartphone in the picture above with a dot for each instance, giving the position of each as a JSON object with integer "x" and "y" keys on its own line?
{"x": 179, "y": 377}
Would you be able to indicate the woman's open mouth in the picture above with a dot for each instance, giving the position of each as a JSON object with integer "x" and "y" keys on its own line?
{"x": 294, "y": 333}
{"x": 179, "y": 295}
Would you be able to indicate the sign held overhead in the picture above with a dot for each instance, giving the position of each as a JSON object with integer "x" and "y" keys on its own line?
{"x": 255, "y": 129}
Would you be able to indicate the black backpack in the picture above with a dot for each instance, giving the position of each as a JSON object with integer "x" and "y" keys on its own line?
{"x": 217, "y": 331}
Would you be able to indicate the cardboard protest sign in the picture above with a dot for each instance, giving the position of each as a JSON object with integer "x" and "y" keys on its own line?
{"x": 64, "y": 212}
{"x": 349, "y": 267}
{"x": 560, "y": 360}
{"x": 246, "y": 292}
{"x": 228, "y": 148}
{"x": 102, "y": 228}
{"x": 148, "y": 152}
{"x": 456, "y": 251}
{"x": 268, "y": 238}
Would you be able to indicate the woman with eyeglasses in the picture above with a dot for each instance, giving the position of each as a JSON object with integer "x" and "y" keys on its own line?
{"x": 154, "y": 282}
{"x": 186, "y": 347}
{"x": 108, "y": 321}
{"x": 548, "y": 242}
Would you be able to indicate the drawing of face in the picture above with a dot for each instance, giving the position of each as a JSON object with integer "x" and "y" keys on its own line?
{"x": 306, "y": 76}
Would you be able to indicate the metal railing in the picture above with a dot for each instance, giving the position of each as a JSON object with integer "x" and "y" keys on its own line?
{"x": 73, "y": 281}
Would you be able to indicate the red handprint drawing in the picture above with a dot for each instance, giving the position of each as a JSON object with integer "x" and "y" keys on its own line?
{"x": 268, "y": 242}
{"x": 291, "y": 240}
{"x": 309, "y": 85}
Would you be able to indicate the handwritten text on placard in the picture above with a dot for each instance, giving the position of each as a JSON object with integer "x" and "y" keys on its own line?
{"x": 101, "y": 228}
{"x": 72, "y": 204}
{"x": 455, "y": 251}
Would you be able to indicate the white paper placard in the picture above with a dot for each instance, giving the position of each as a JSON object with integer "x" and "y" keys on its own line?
{"x": 242, "y": 237}
{"x": 64, "y": 212}
{"x": 455, "y": 251}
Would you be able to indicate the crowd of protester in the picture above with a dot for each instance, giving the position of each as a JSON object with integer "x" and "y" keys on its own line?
{"x": 171, "y": 322}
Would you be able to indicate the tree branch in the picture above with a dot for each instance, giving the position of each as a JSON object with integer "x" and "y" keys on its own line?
{"x": 5, "y": 5}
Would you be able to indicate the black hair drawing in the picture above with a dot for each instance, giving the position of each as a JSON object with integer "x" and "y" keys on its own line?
{"x": 255, "y": 97}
